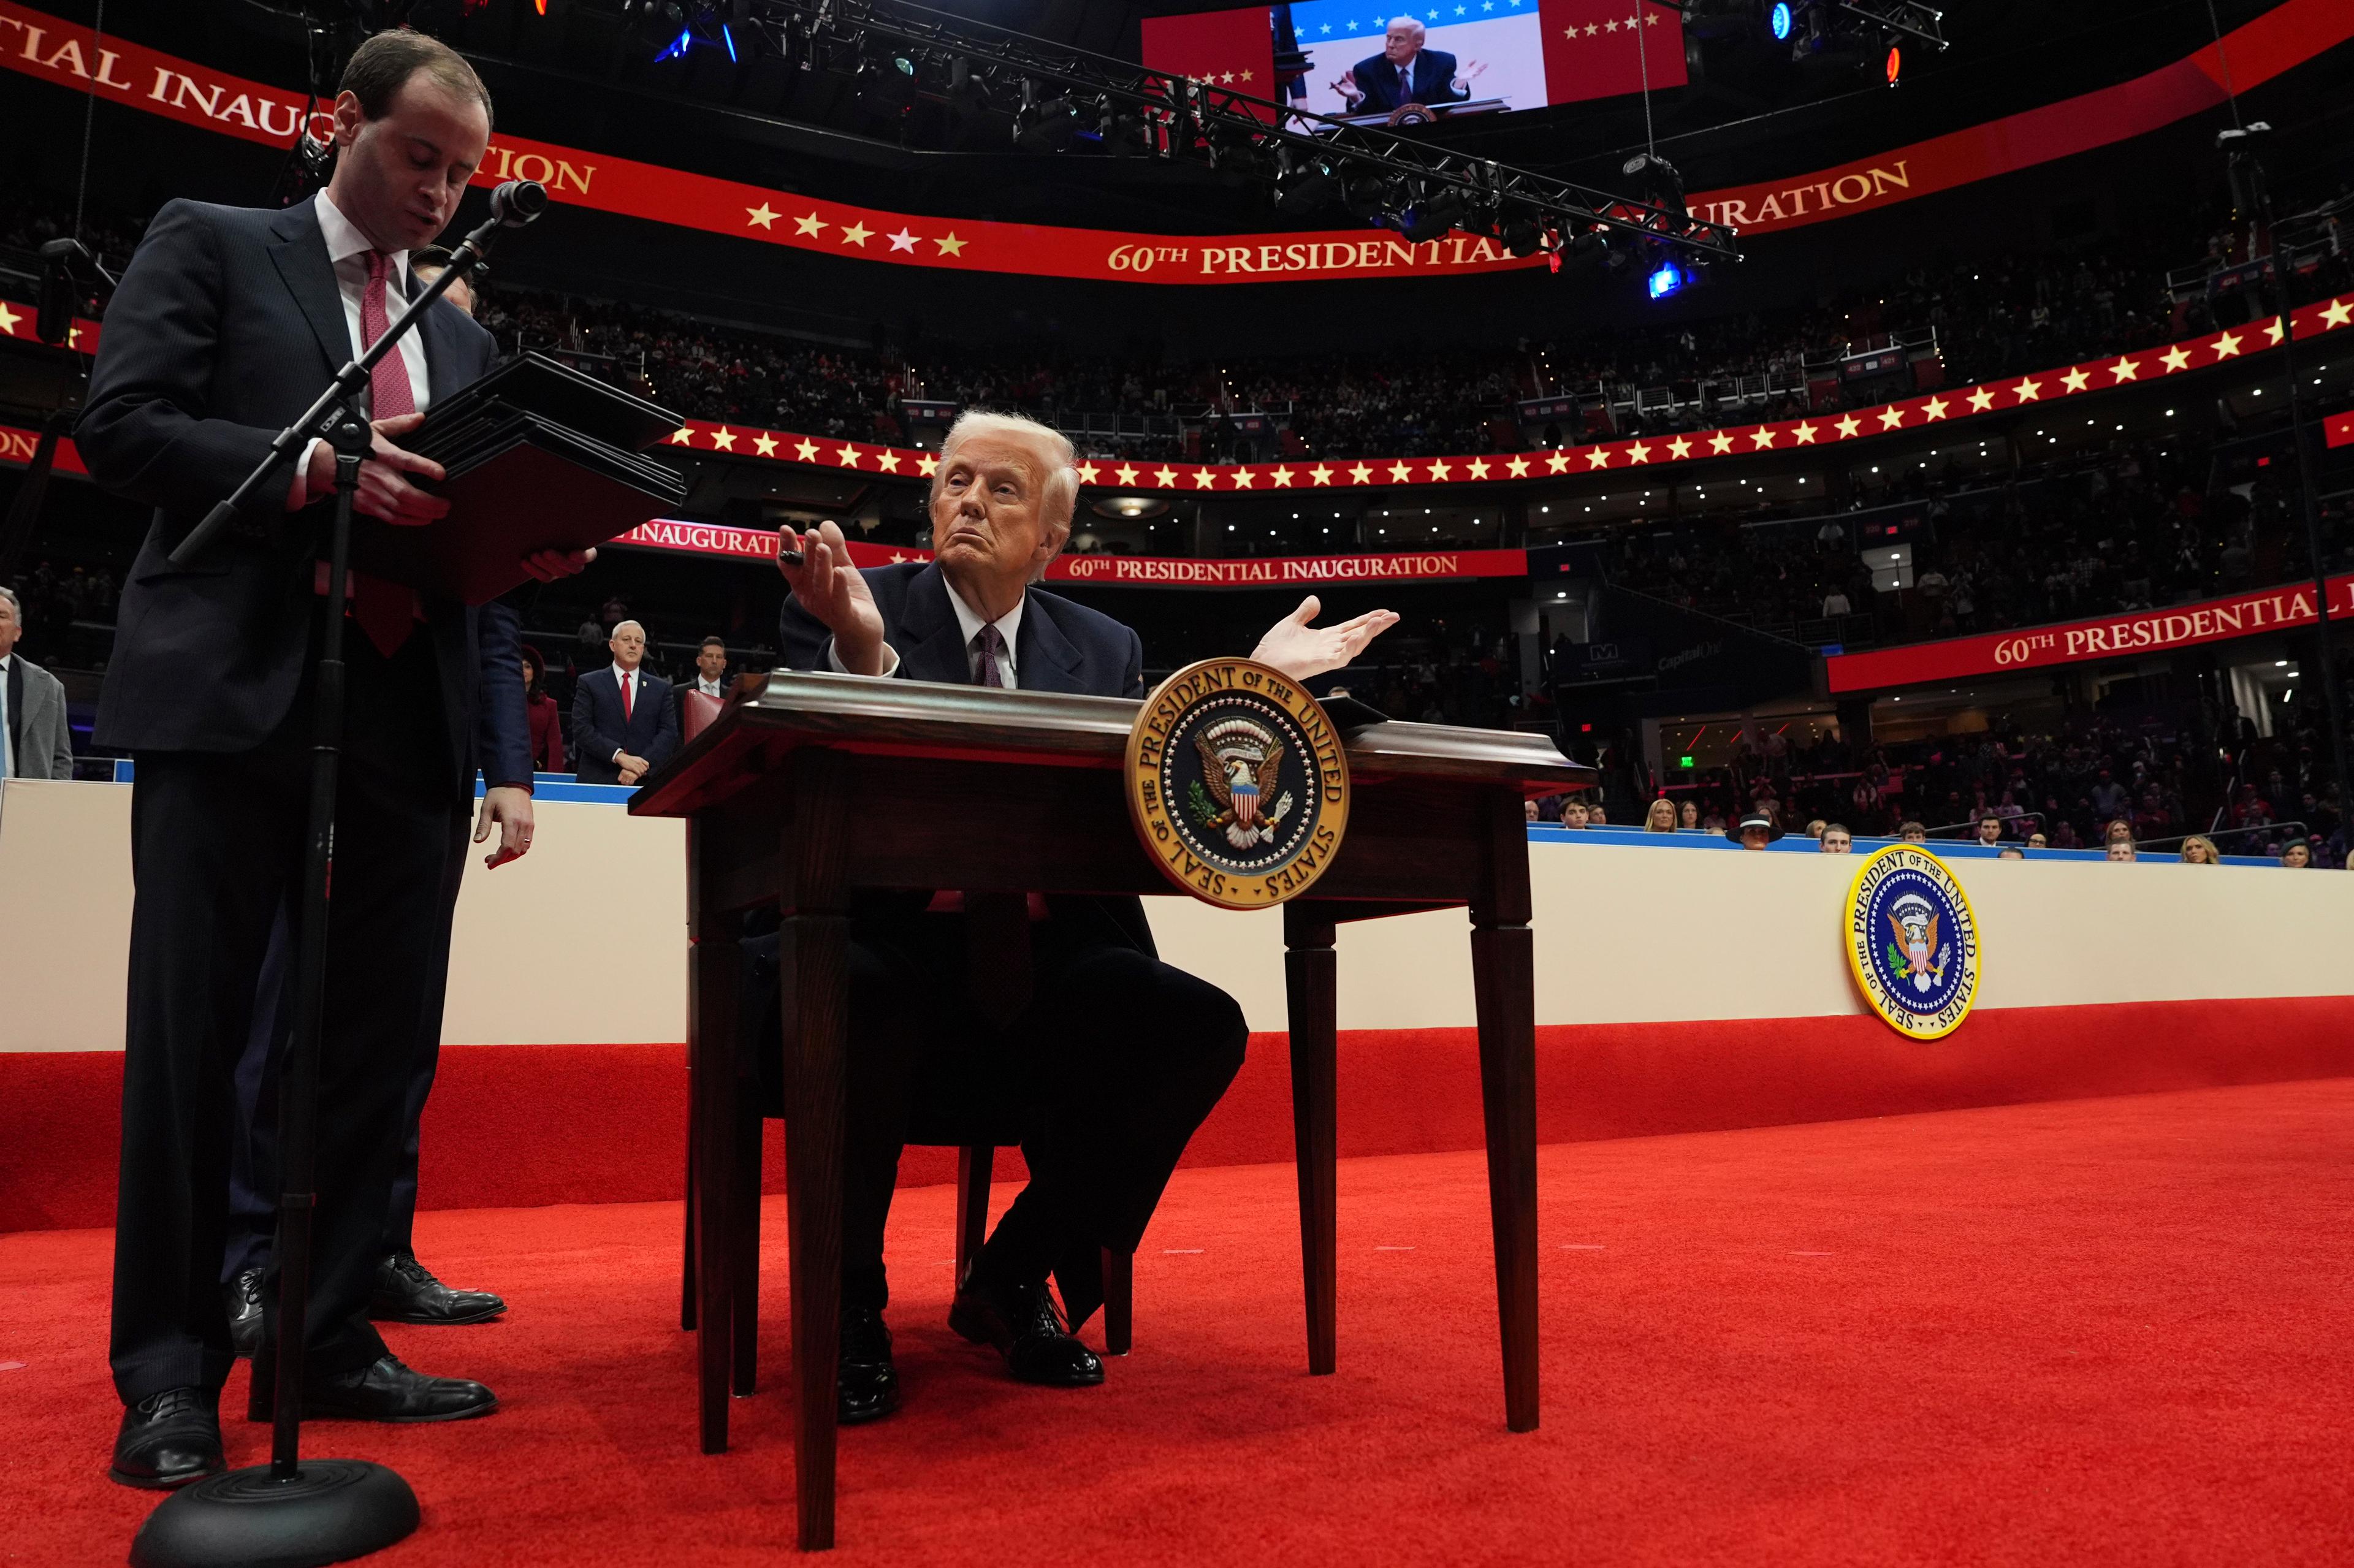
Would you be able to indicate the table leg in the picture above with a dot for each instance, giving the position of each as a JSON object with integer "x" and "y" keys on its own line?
{"x": 815, "y": 953}
{"x": 1504, "y": 971}
{"x": 1310, "y": 987}
{"x": 711, "y": 1022}
{"x": 744, "y": 1225}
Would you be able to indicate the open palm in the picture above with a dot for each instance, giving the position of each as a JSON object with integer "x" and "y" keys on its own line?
{"x": 1300, "y": 650}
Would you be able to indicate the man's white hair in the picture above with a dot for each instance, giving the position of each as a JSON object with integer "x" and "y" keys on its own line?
{"x": 617, "y": 630}
{"x": 1058, "y": 497}
{"x": 1413, "y": 22}
{"x": 14, "y": 603}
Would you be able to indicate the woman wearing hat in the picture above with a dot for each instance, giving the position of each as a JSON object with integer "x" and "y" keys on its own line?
{"x": 546, "y": 721}
{"x": 1755, "y": 831}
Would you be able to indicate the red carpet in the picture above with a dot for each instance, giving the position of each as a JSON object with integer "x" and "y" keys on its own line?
{"x": 520, "y": 1126}
{"x": 2100, "y": 1332}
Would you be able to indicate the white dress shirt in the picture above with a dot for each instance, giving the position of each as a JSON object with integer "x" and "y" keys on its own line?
{"x": 348, "y": 249}
{"x": 709, "y": 687}
{"x": 968, "y": 624}
{"x": 631, "y": 695}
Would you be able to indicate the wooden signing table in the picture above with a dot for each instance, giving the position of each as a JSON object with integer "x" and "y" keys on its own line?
{"x": 809, "y": 788}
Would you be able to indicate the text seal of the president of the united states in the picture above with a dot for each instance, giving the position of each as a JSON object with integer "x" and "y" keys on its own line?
{"x": 1237, "y": 783}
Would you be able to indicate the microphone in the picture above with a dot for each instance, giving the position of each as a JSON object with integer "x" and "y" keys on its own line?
{"x": 518, "y": 202}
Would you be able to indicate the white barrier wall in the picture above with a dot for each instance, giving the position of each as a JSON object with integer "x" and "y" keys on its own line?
{"x": 583, "y": 942}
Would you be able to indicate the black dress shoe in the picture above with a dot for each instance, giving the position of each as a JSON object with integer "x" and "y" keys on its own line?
{"x": 244, "y": 1294}
{"x": 169, "y": 1439}
{"x": 866, "y": 1385}
{"x": 1022, "y": 1322}
{"x": 385, "y": 1390}
{"x": 407, "y": 1292}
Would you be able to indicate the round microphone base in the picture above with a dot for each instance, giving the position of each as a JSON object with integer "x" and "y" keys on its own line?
{"x": 331, "y": 1512}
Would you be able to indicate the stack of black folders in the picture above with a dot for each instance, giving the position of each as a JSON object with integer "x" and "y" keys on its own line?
{"x": 538, "y": 456}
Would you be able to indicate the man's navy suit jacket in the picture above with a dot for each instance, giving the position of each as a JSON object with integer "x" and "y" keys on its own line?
{"x": 227, "y": 325}
{"x": 1061, "y": 647}
{"x": 1434, "y": 81}
{"x": 597, "y": 727}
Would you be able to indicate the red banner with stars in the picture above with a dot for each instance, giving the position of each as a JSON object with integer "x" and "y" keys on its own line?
{"x": 2339, "y": 429}
{"x": 118, "y": 72}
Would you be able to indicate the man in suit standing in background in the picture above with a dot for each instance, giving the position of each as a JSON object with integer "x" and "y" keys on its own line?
{"x": 624, "y": 724}
{"x": 225, "y": 324}
{"x": 36, "y": 741}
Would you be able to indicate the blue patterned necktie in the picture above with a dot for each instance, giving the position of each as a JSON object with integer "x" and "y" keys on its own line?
{"x": 991, "y": 642}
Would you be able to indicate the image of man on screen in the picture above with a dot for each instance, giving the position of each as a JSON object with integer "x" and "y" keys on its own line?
{"x": 1404, "y": 72}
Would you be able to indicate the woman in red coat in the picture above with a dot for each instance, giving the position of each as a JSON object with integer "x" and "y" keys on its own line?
{"x": 546, "y": 726}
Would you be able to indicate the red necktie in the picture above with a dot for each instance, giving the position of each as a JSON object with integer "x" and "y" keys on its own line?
{"x": 385, "y": 610}
{"x": 626, "y": 703}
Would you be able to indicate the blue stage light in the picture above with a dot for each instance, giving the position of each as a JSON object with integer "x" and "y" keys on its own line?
{"x": 676, "y": 47}
{"x": 729, "y": 34}
{"x": 1666, "y": 279}
{"x": 1779, "y": 20}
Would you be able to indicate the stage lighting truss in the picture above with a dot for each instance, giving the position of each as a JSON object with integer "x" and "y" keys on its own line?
{"x": 1871, "y": 34}
{"x": 1070, "y": 100}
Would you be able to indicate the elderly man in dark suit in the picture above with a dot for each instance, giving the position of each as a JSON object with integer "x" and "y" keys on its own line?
{"x": 624, "y": 724}
{"x": 36, "y": 741}
{"x": 225, "y": 323}
{"x": 1402, "y": 73}
{"x": 1116, "y": 1057}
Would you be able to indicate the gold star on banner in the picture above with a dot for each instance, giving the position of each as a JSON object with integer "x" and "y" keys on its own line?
{"x": 1204, "y": 479}
{"x": 1892, "y": 418}
{"x": 722, "y": 439}
{"x": 857, "y": 234}
{"x": 764, "y": 215}
{"x": 1598, "y": 458}
{"x": 1609, "y": 26}
{"x": 2124, "y": 370}
{"x": 1478, "y": 469}
{"x": 1935, "y": 407}
{"x": 1127, "y": 474}
{"x": 8, "y": 318}
{"x": 1638, "y": 452}
{"x": 806, "y": 449}
{"x": 2338, "y": 315}
{"x": 1400, "y": 473}
{"x": 904, "y": 240}
{"x": 888, "y": 461}
{"x": 951, "y": 246}
{"x": 898, "y": 558}
{"x": 1088, "y": 472}
{"x": 2176, "y": 359}
{"x": 1981, "y": 399}
{"x": 1591, "y": 30}
{"x": 1680, "y": 449}
{"x": 2272, "y": 329}
{"x": 924, "y": 465}
{"x": 765, "y": 444}
{"x": 1762, "y": 437}
{"x": 1849, "y": 425}
{"x": 1806, "y": 434}
{"x": 2227, "y": 345}
{"x": 1166, "y": 478}
{"x": 1243, "y": 478}
{"x": 1359, "y": 474}
{"x": 1226, "y": 78}
{"x": 1243, "y": 75}
{"x": 848, "y": 456}
{"x": 2076, "y": 379}
{"x": 1438, "y": 469}
{"x": 1320, "y": 474}
{"x": 73, "y": 335}
{"x": 809, "y": 225}
{"x": 1720, "y": 443}
{"x": 1518, "y": 468}
{"x": 682, "y": 436}
{"x": 1282, "y": 478}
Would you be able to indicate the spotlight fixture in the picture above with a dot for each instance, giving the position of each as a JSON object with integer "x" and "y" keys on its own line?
{"x": 1305, "y": 181}
{"x": 1048, "y": 126}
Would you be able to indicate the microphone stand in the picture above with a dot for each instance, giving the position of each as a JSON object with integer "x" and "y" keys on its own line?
{"x": 288, "y": 1513}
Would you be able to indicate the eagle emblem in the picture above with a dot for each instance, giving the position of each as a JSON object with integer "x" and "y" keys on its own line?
{"x": 1916, "y": 955}
{"x": 1240, "y": 761}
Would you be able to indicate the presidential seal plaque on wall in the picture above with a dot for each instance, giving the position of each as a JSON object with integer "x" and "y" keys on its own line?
{"x": 1237, "y": 783}
{"x": 1912, "y": 942}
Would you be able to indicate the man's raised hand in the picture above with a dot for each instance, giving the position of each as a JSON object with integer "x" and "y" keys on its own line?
{"x": 385, "y": 490}
{"x": 831, "y": 589}
{"x": 1300, "y": 650}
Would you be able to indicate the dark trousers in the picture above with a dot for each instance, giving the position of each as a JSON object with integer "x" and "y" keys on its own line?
{"x": 253, "y": 1152}
{"x": 1104, "y": 1077}
{"x": 217, "y": 849}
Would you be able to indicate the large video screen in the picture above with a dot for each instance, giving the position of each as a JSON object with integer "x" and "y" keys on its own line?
{"x": 1358, "y": 60}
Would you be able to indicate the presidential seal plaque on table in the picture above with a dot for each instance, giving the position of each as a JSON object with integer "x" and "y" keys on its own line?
{"x": 1911, "y": 941}
{"x": 1237, "y": 783}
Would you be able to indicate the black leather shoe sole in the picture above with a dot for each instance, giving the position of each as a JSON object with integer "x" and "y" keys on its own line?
{"x": 382, "y": 1314}
{"x": 848, "y": 1414}
{"x": 164, "y": 1483}
{"x": 314, "y": 1410}
{"x": 982, "y": 1325}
